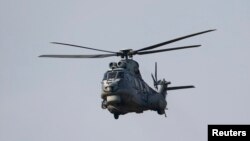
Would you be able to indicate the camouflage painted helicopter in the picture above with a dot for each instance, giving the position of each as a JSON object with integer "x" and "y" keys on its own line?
{"x": 123, "y": 89}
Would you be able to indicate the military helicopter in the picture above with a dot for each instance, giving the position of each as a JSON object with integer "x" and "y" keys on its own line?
{"x": 123, "y": 89}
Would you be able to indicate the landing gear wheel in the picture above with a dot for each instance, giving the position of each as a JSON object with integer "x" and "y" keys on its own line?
{"x": 116, "y": 116}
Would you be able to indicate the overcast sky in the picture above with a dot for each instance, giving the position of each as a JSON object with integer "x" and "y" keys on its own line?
{"x": 46, "y": 99}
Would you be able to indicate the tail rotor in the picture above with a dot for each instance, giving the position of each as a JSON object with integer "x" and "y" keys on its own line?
{"x": 154, "y": 77}
{"x": 164, "y": 84}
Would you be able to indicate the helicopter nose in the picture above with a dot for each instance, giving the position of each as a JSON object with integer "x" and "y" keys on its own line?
{"x": 111, "y": 88}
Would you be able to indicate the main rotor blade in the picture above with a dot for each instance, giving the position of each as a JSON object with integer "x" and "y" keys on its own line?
{"x": 168, "y": 49}
{"x": 79, "y": 56}
{"x": 180, "y": 87}
{"x": 174, "y": 40}
{"x": 83, "y": 47}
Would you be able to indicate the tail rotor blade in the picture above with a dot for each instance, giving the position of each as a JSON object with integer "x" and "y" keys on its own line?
{"x": 155, "y": 82}
{"x": 153, "y": 78}
{"x": 156, "y": 72}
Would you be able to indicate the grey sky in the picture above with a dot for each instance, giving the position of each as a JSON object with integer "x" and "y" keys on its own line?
{"x": 59, "y": 99}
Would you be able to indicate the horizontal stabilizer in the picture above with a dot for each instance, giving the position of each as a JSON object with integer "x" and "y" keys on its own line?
{"x": 180, "y": 87}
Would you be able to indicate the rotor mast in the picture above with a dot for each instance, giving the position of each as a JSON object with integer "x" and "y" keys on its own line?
{"x": 126, "y": 53}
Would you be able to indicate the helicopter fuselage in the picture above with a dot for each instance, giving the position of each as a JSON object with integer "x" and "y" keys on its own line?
{"x": 124, "y": 91}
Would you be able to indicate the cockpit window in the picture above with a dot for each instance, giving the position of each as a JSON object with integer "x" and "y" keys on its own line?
{"x": 120, "y": 75}
{"x": 112, "y": 75}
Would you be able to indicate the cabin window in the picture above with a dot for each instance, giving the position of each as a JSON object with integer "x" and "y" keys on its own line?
{"x": 142, "y": 86}
{"x": 147, "y": 88}
{"x": 137, "y": 85}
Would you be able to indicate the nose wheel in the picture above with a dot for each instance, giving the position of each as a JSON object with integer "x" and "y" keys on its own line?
{"x": 116, "y": 116}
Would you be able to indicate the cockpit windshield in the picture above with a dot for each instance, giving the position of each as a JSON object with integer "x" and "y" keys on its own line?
{"x": 113, "y": 75}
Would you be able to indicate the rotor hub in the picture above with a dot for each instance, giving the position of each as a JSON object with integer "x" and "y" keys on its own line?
{"x": 127, "y": 53}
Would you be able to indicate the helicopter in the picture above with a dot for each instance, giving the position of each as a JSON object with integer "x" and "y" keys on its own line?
{"x": 123, "y": 88}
